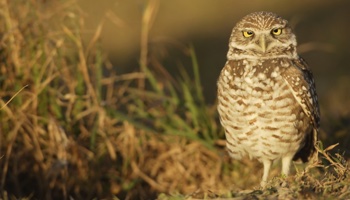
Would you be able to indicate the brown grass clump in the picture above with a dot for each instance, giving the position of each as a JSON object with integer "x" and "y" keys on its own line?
{"x": 71, "y": 128}
{"x": 64, "y": 135}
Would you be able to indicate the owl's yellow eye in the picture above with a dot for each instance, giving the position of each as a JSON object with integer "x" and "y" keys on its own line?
{"x": 276, "y": 31}
{"x": 248, "y": 34}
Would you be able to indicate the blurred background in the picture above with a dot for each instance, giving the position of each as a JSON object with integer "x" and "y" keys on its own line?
{"x": 322, "y": 29}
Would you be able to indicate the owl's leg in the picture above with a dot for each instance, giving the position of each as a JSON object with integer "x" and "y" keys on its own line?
{"x": 267, "y": 166}
{"x": 286, "y": 161}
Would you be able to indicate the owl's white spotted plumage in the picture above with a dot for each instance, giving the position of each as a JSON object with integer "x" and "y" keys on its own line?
{"x": 267, "y": 98}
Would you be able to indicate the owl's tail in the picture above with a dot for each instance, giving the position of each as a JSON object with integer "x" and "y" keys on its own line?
{"x": 308, "y": 151}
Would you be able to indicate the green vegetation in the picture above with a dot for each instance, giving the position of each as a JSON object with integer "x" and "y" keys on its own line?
{"x": 72, "y": 128}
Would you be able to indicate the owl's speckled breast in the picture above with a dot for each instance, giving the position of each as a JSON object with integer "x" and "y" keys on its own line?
{"x": 260, "y": 115}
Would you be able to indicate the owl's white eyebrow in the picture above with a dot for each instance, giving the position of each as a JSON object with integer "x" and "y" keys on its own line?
{"x": 281, "y": 27}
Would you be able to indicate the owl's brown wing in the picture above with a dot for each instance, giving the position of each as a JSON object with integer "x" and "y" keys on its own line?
{"x": 302, "y": 84}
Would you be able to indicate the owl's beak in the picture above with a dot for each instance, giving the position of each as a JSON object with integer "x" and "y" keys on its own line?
{"x": 262, "y": 43}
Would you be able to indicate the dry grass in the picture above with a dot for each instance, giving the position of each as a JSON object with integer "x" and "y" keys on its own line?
{"x": 72, "y": 128}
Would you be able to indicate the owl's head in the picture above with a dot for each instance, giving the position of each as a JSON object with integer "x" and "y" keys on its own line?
{"x": 262, "y": 35}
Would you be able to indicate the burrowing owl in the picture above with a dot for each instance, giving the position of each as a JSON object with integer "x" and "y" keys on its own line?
{"x": 266, "y": 94}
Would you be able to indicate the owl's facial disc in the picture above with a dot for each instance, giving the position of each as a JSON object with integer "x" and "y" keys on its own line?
{"x": 259, "y": 41}
{"x": 260, "y": 36}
